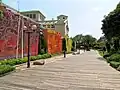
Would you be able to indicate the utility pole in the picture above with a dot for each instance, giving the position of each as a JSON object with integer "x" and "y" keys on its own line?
{"x": 18, "y": 32}
{"x": 75, "y": 45}
{"x": 22, "y": 38}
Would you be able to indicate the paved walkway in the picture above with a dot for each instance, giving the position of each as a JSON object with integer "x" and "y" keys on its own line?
{"x": 87, "y": 71}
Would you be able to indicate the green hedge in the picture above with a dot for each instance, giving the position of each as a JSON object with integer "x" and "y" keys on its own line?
{"x": 8, "y": 65}
{"x": 44, "y": 56}
{"x": 13, "y": 62}
{"x": 114, "y": 57}
{"x": 101, "y": 53}
{"x": 106, "y": 55}
{"x": 5, "y": 69}
{"x": 114, "y": 64}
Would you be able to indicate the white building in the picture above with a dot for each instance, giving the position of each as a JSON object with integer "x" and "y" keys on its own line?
{"x": 60, "y": 25}
{"x": 34, "y": 14}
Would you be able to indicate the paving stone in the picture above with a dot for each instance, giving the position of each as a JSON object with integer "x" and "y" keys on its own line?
{"x": 76, "y": 72}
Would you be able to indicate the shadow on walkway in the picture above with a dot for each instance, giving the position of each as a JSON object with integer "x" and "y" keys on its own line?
{"x": 101, "y": 58}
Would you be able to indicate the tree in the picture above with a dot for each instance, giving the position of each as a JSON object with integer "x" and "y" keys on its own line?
{"x": 111, "y": 24}
{"x": 111, "y": 27}
{"x": 78, "y": 37}
{"x": 85, "y": 40}
{"x": 101, "y": 39}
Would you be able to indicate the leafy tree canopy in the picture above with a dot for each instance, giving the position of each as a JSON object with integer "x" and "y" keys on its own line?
{"x": 111, "y": 24}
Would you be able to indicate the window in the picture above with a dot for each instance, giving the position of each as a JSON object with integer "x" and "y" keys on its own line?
{"x": 40, "y": 16}
{"x": 27, "y": 15}
{"x": 52, "y": 26}
{"x": 34, "y": 16}
{"x": 44, "y": 25}
{"x": 48, "y": 26}
{"x": 30, "y": 15}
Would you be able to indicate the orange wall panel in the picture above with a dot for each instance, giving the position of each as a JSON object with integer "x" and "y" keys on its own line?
{"x": 54, "y": 42}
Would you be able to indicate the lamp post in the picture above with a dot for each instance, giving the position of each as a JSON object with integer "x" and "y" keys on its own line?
{"x": 64, "y": 46}
{"x": 39, "y": 43}
{"x": 75, "y": 47}
{"x": 33, "y": 28}
{"x": 79, "y": 45}
{"x": 78, "y": 42}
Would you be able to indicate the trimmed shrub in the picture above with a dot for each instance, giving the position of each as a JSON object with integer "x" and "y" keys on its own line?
{"x": 33, "y": 58}
{"x": 106, "y": 55}
{"x": 101, "y": 53}
{"x": 13, "y": 62}
{"x": 8, "y": 65}
{"x": 114, "y": 64}
{"x": 114, "y": 57}
{"x": 5, "y": 69}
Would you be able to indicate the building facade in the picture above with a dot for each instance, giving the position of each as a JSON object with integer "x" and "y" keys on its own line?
{"x": 34, "y": 14}
{"x": 62, "y": 25}
{"x": 59, "y": 25}
{"x": 13, "y": 40}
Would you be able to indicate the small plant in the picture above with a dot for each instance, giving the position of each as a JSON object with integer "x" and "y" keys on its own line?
{"x": 13, "y": 62}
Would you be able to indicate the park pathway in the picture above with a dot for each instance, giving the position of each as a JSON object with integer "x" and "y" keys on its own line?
{"x": 87, "y": 71}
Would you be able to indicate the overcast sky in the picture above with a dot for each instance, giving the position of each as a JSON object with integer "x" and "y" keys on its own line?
{"x": 84, "y": 15}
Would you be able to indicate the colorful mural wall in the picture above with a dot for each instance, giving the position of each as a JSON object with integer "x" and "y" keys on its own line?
{"x": 9, "y": 33}
{"x": 68, "y": 43}
{"x": 54, "y": 41}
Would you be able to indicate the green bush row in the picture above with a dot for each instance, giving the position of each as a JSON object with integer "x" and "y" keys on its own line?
{"x": 44, "y": 56}
{"x": 114, "y": 64}
{"x": 9, "y": 64}
{"x": 114, "y": 57}
{"x": 5, "y": 69}
{"x": 13, "y": 62}
{"x": 101, "y": 53}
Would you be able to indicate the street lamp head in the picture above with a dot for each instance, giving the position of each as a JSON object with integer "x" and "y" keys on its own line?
{"x": 25, "y": 28}
{"x": 41, "y": 32}
{"x": 34, "y": 27}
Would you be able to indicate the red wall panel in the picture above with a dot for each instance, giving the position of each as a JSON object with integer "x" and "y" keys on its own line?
{"x": 9, "y": 33}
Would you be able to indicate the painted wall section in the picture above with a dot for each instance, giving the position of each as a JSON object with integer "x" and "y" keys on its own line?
{"x": 54, "y": 41}
{"x": 68, "y": 43}
{"x": 9, "y": 33}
